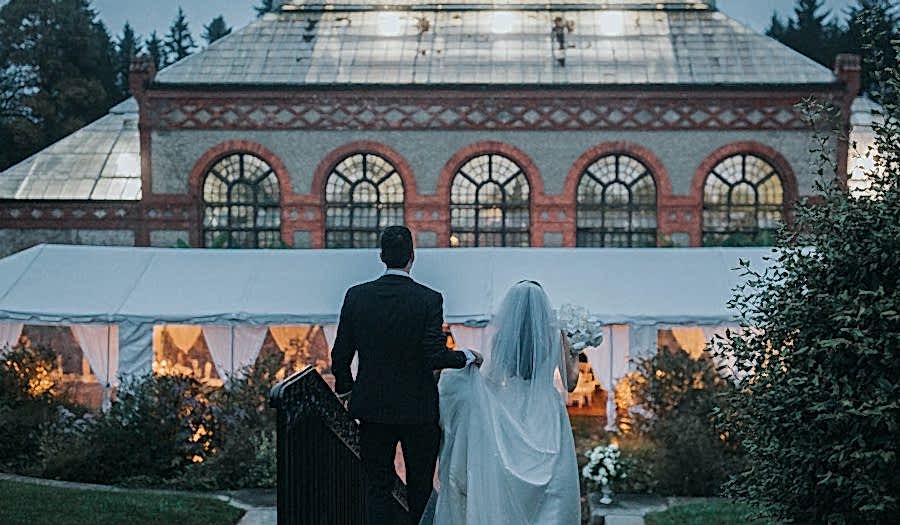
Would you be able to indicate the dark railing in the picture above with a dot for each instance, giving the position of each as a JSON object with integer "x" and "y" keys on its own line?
{"x": 320, "y": 477}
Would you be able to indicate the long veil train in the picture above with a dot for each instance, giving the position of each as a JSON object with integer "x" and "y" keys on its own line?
{"x": 508, "y": 454}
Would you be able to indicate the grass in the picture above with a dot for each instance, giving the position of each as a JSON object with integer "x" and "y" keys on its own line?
{"x": 710, "y": 513}
{"x": 26, "y": 504}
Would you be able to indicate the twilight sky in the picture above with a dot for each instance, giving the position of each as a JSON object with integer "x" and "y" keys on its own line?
{"x": 157, "y": 14}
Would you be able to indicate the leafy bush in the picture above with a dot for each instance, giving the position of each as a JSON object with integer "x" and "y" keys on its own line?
{"x": 245, "y": 453}
{"x": 167, "y": 430}
{"x": 157, "y": 426}
{"x": 683, "y": 453}
{"x": 818, "y": 415}
{"x": 29, "y": 398}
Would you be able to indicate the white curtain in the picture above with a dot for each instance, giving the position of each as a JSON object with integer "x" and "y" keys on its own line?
{"x": 100, "y": 344}
{"x": 219, "y": 340}
{"x": 9, "y": 335}
{"x": 330, "y": 331}
{"x": 233, "y": 347}
{"x": 468, "y": 337}
{"x": 135, "y": 350}
{"x": 248, "y": 341}
{"x": 610, "y": 364}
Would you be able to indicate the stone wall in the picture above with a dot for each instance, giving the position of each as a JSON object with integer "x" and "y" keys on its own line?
{"x": 175, "y": 153}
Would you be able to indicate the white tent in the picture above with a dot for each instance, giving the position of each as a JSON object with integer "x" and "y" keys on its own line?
{"x": 137, "y": 288}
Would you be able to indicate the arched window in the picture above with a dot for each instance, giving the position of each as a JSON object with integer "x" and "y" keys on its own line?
{"x": 616, "y": 204}
{"x": 743, "y": 202}
{"x": 363, "y": 195}
{"x": 490, "y": 204}
{"x": 241, "y": 204}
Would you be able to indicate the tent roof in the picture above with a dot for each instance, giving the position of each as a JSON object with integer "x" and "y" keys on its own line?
{"x": 89, "y": 284}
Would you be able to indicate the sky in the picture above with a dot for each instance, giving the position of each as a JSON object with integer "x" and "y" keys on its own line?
{"x": 146, "y": 16}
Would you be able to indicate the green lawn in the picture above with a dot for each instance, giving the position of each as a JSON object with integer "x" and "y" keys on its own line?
{"x": 713, "y": 513}
{"x": 26, "y": 504}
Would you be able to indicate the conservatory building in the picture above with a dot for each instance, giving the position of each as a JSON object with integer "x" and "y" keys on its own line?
{"x": 520, "y": 123}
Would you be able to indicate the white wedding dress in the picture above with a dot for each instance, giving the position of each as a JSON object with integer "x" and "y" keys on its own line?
{"x": 508, "y": 456}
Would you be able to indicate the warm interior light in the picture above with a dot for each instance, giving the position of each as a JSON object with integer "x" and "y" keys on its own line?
{"x": 503, "y": 22}
{"x": 611, "y": 23}
{"x": 389, "y": 24}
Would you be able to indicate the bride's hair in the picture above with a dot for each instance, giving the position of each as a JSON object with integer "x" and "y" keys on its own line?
{"x": 525, "y": 334}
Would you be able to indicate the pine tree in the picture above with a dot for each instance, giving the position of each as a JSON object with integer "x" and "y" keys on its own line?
{"x": 871, "y": 25}
{"x": 128, "y": 47}
{"x": 808, "y": 32}
{"x": 60, "y": 63}
{"x": 265, "y": 6}
{"x": 179, "y": 42}
{"x": 216, "y": 29}
{"x": 157, "y": 51}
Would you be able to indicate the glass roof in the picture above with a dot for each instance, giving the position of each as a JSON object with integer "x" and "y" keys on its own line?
{"x": 100, "y": 161}
{"x": 497, "y": 46}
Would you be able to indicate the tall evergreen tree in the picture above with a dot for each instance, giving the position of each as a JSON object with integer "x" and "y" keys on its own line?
{"x": 216, "y": 29}
{"x": 264, "y": 7}
{"x": 156, "y": 48}
{"x": 871, "y": 26}
{"x": 809, "y": 32}
{"x": 128, "y": 46}
{"x": 179, "y": 42}
{"x": 61, "y": 65}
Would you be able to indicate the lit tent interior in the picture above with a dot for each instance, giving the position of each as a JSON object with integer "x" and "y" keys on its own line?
{"x": 117, "y": 300}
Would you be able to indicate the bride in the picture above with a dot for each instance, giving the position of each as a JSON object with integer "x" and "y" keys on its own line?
{"x": 508, "y": 455}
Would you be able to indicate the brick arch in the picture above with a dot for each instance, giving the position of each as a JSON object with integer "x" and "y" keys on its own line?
{"x": 217, "y": 153}
{"x": 335, "y": 156}
{"x": 487, "y": 147}
{"x": 767, "y": 153}
{"x": 645, "y": 156}
{"x": 230, "y": 147}
{"x": 771, "y": 155}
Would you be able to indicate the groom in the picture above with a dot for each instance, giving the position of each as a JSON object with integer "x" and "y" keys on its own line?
{"x": 394, "y": 324}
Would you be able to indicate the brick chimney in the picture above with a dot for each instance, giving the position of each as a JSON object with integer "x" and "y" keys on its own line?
{"x": 848, "y": 69}
{"x": 142, "y": 73}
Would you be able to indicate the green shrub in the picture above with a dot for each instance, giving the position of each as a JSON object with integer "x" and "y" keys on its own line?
{"x": 684, "y": 453}
{"x": 244, "y": 435}
{"x": 29, "y": 398}
{"x": 818, "y": 416}
{"x": 157, "y": 426}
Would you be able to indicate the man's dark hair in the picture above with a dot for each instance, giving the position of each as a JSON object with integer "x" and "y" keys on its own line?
{"x": 396, "y": 246}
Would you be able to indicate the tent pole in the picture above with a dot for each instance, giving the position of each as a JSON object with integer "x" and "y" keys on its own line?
{"x": 232, "y": 352}
{"x": 106, "y": 396}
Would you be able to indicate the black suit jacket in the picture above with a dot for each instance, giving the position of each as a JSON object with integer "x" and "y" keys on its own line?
{"x": 395, "y": 325}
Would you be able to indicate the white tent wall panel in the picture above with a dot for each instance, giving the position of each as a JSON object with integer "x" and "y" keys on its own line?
{"x": 137, "y": 288}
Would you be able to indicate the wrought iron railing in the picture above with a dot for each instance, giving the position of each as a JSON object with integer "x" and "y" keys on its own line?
{"x": 320, "y": 476}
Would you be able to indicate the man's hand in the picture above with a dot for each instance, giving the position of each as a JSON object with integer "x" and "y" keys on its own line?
{"x": 479, "y": 359}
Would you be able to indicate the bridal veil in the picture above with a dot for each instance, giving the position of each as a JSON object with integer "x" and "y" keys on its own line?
{"x": 508, "y": 455}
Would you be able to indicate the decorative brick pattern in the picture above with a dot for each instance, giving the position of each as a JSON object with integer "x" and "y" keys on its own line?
{"x": 411, "y": 112}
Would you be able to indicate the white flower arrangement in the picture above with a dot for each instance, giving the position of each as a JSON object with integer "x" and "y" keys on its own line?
{"x": 583, "y": 329}
{"x": 603, "y": 465}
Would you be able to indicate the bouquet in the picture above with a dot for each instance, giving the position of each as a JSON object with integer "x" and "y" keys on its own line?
{"x": 582, "y": 329}
{"x": 603, "y": 468}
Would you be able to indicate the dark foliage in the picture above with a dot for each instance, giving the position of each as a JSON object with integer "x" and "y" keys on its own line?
{"x": 814, "y": 32}
{"x": 817, "y": 415}
{"x": 179, "y": 43}
{"x": 57, "y": 73}
{"x": 29, "y": 397}
{"x": 682, "y": 453}
{"x": 216, "y": 29}
{"x": 128, "y": 46}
